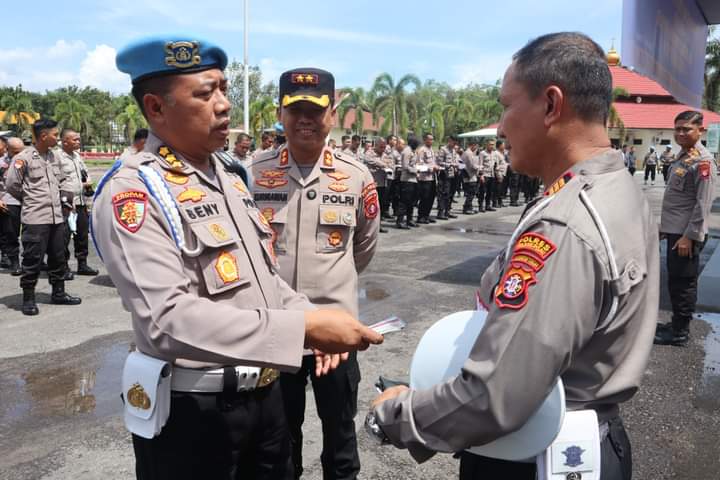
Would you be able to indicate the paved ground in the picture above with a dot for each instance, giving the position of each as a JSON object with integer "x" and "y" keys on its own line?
{"x": 60, "y": 371}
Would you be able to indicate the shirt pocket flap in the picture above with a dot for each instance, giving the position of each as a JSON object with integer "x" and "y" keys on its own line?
{"x": 633, "y": 273}
{"x": 213, "y": 234}
{"x": 260, "y": 221}
{"x": 335, "y": 215}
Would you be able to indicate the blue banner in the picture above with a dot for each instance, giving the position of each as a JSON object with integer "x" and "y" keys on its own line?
{"x": 665, "y": 40}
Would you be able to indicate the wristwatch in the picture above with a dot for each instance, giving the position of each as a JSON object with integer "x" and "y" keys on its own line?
{"x": 374, "y": 430}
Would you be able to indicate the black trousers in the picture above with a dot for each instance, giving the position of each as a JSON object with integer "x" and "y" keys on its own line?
{"x": 336, "y": 401}
{"x": 10, "y": 232}
{"x": 383, "y": 200}
{"x": 444, "y": 189}
{"x": 394, "y": 193}
{"x": 470, "y": 193}
{"x": 682, "y": 282}
{"x": 615, "y": 461}
{"x": 650, "y": 172}
{"x": 408, "y": 198}
{"x": 237, "y": 436}
{"x": 665, "y": 171}
{"x": 514, "y": 185}
{"x": 38, "y": 240}
{"x": 631, "y": 170}
{"x": 81, "y": 235}
{"x": 500, "y": 189}
{"x": 486, "y": 191}
{"x": 426, "y": 194}
{"x": 455, "y": 186}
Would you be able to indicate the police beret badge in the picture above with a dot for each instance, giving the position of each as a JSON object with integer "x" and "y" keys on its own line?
{"x": 182, "y": 54}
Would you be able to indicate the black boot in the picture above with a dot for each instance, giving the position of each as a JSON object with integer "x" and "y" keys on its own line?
{"x": 449, "y": 214}
{"x": 4, "y": 261}
{"x": 15, "y": 269}
{"x": 399, "y": 223}
{"x": 671, "y": 336}
{"x": 85, "y": 269}
{"x": 29, "y": 307}
{"x": 489, "y": 208}
{"x": 59, "y": 297}
{"x": 68, "y": 275}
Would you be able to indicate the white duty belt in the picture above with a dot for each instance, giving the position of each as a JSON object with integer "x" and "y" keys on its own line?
{"x": 212, "y": 381}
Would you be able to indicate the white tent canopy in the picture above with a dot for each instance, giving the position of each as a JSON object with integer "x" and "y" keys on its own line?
{"x": 485, "y": 132}
{"x": 5, "y": 133}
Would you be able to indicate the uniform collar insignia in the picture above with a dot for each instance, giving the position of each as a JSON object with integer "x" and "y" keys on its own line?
{"x": 327, "y": 159}
{"x": 284, "y": 158}
{"x": 559, "y": 184}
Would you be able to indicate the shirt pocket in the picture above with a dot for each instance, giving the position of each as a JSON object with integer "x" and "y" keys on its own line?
{"x": 677, "y": 182}
{"x": 336, "y": 226}
{"x": 35, "y": 172}
{"x": 223, "y": 263}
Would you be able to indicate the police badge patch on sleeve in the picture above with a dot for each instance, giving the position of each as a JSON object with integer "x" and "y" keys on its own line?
{"x": 129, "y": 208}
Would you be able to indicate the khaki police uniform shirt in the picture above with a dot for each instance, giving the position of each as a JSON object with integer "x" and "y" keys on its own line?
{"x": 689, "y": 194}
{"x": 548, "y": 310}
{"x": 426, "y": 157}
{"x": 447, "y": 159}
{"x": 666, "y": 158}
{"x": 501, "y": 165}
{"x": 349, "y": 151}
{"x": 72, "y": 166}
{"x": 408, "y": 170}
{"x": 220, "y": 302}
{"x": 487, "y": 163}
{"x": 378, "y": 166}
{"x": 35, "y": 181}
{"x": 325, "y": 225}
{"x": 472, "y": 165}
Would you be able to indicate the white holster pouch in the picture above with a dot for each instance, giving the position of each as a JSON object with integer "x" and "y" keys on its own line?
{"x": 575, "y": 453}
{"x": 146, "y": 392}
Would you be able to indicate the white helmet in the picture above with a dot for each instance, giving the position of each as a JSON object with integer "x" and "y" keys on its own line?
{"x": 439, "y": 356}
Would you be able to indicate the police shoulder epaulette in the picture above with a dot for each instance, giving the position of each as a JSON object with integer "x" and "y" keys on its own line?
{"x": 159, "y": 190}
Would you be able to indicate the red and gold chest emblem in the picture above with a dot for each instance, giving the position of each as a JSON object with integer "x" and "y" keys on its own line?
{"x": 271, "y": 182}
{"x": 130, "y": 208}
{"x": 335, "y": 238}
{"x": 226, "y": 268}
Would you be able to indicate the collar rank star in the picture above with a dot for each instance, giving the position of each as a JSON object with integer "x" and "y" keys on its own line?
{"x": 191, "y": 194}
{"x": 559, "y": 184}
{"x": 129, "y": 208}
{"x": 170, "y": 158}
{"x": 327, "y": 159}
{"x": 284, "y": 158}
{"x": 226, "y": 268}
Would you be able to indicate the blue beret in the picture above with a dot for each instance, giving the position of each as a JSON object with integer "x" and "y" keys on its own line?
{"x": 169, "y": 55}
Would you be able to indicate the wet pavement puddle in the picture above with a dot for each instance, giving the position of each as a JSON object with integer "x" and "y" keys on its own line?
{"x": 372, "y": 293}
{"x": 707, "y": 396}
{"x": 79, "y": 382}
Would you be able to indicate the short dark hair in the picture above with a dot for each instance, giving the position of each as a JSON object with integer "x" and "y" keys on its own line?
{"x": 454, "y": 138}
{"x": 573, "y": 62}
{"x": 499, "y": 142}
{"x": 43, "y": 124}
{"x": 241, "y": 137}
{"x": 426, "y": 135}
{"x": 413, "y": 142}
{"x": 692, "y": 116}
{"x": 3, "y": 140}
{"x": 140, "y": 134}
{"x": 356, "y": 138}
{"x": 154, "y": 85}
{"x": 344, "y": 137}
{"x": 389, "y": 137}
{"x": 266, "y": 136}
{"x": 67, "y": 131}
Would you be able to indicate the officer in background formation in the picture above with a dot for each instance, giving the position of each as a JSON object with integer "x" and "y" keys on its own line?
{"x": 193, "y": 260}
{"x": 77, "y": 181}
{"x": 501, "y": 167}
{"x": 352, "y": 147}
{"x": 426, "y": 167}
{"x": 666, "y": 159}
{"x": 471, "y": 179}
{"x": 514, "y": 179}
{"x": 544, "y": 319}
{"x": 394, "y": 187}
{"x": 266, "y": 144}
{"x": 10, "y": 208}
{"x": 241, "y": 151}
{"x": 408, "y": 183}
{"x": 34, "y": 179}
{"x": 324, "y": 212}
{"x": 650, "y": 165}
{"x": 684, "y": 223}
{"x": 448, "y": 170}
{"x": 381, "y": 165}
{"x": 486, "y": 181}
{"x": 139, "y": 138}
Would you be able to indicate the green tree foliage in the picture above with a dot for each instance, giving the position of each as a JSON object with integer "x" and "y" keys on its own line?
{"x": 353, "y": 99}
{"x": 129, "y": 120}
{"x": 235, "y": 75}
{"x": 16, "y": 103}
{"x": 71, "y": 113}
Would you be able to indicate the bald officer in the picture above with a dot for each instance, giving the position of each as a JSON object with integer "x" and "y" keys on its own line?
{"x": 323, "y": 208}
{"x": 192, "y": 259}
{"x": 574, "y": 295}
{"x": 686, "y": 207}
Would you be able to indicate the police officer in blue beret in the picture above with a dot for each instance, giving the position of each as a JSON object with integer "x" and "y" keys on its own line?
{"x": 192, "y": 259}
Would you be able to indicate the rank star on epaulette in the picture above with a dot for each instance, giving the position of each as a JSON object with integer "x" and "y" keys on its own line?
{"x": 284, "y": 156}
{"x": 559, "y": 184}
{"x": 327, "y": 159}
{"x": 191, "y": 194}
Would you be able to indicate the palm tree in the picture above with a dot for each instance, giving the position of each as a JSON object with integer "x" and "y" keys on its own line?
{"x": 70, "y": 113}
{"x": 130, "y": 119}
{"x": 17, "y": 106}
{"x": 263, "y": 113}
{"x": 357, "y": 99}
{"x": 458, "y": 113}
{"x": 391, "y": 100}
{"x": 712, "y": 72}
{"x": 614, "y": 120}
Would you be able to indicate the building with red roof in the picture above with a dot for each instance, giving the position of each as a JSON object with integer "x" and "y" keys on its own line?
{"x": 647, "y": 112}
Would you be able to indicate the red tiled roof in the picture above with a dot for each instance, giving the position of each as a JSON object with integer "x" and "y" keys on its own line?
{"x": 656, "y": 115}
{"x": 635, "y": 83}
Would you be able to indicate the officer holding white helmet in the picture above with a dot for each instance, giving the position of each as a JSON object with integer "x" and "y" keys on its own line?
{"x": 574, "y": 295}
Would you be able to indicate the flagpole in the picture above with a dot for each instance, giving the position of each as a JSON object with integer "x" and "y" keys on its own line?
{"x": 246, "y": 86}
